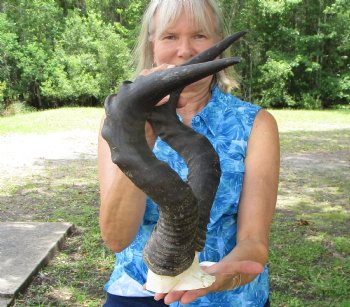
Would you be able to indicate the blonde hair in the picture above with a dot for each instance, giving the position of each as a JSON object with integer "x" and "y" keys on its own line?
{"x": 169, "y": 12}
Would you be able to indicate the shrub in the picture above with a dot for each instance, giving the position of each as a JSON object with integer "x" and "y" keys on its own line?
{"x": 274, "y": 78}
{"x": 90, "y": 62}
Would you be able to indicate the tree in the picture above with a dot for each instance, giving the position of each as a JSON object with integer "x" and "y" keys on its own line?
{"x": 37, "y": 24}
{"x": 90, "y": 61}
{"x": 54, "y": 52}
{"x": 309, "y": 39}
{"x": 8, "y": 47}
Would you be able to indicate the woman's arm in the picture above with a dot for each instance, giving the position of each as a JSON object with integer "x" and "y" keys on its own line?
{"x": 260, "y": 186}
{"x": 122, "y": 203}
{"x": 259, "y": 193}
{"x": 256, "y": 209}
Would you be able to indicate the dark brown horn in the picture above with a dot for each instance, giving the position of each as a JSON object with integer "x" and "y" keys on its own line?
{"x": 177, "y": 234}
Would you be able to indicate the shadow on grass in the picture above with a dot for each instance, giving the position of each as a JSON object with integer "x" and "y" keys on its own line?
{"x": 315, "y": 141}
{"x": 310, "y": 246}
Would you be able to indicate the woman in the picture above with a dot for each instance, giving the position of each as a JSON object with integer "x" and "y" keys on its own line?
{"x": 246, "y": 140}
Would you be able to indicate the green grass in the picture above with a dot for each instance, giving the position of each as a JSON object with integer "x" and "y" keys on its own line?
{"x": 56, "y": 120}
{"x": 65, "y": 119}
{"x": 310, "y": 256}
{"x": 310, "y": 247}
{"x": 315, "y": 141}
{"x": 307, "y": 120}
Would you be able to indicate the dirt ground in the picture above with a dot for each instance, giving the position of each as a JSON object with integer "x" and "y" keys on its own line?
{"x": 27, "y": 155}
{"x": 22, "y": 155}
{"x": 310, "y": 182}
{"x": 320, "y": 161}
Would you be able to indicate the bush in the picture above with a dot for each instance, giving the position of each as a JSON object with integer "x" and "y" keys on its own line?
{"x": 2, "y": 103}
{"x": 16, "y": 108}
{"x": 310, "y": 102}
{"x": 8, "y": 47}
{"x": 90, "y": 62}
{"x": 274, "y": 77}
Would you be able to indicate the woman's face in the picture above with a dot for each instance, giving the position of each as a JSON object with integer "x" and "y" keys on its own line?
{"x": 180, "y": 41}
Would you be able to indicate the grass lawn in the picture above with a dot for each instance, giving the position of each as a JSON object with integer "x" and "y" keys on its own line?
{"x": 310, "y": 246}
{"x": 58, "y": 120}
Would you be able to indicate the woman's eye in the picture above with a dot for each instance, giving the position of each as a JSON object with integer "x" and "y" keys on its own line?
{"x": 199, "y": 36}
{"x": 169, "y": 37}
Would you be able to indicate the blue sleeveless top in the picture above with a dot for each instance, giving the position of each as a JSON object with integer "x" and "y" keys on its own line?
{"x": 227, "y": 122}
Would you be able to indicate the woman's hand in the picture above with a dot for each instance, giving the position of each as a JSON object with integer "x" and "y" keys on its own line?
{"x": 229, "y": 275}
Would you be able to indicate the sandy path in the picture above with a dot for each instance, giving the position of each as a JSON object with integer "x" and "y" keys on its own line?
{"x": 25, "y": 154}
{"x": 22, "y": 154}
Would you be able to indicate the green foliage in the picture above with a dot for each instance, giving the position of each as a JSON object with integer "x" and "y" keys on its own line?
{"x": 310, "y": 102}
{"x": 344, "y": 87}
{"x": 8, "y": 49}
{"x": 274, "y": 78}
{"x": 311, "y": 38}
{"x": 16, "y": 108}
{"x": 90, "y": 61}
{"x": 64, "y": 52}
{"x": 125, "y": 15}
{"x": 2, "y": 90}
{"x": 36, "y": 25}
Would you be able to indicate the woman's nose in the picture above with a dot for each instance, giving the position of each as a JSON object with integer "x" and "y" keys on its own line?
{"x": 185, "y": 49}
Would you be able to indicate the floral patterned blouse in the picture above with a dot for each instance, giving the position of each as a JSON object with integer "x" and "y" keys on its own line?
{"x": 227, "y": 122}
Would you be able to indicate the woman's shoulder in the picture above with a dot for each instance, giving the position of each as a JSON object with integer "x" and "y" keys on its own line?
{"x": 265, "y": 123}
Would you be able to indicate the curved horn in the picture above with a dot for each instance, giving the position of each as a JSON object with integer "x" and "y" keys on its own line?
{"x": 171, "y": 247}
